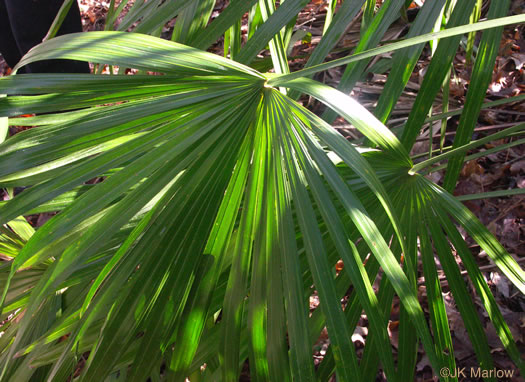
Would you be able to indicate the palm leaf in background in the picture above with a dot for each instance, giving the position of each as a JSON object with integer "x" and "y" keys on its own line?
{"x": 223, "y": 202}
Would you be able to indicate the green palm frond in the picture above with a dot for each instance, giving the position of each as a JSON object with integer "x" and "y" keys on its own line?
{"x": 222, "y": 202}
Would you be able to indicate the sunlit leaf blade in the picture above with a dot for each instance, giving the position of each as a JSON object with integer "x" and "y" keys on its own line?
{"x": 205, "y": 37}
{"x": 463, "y": 300}
{"x": 346, "y": 362}
{"x": 404, "y": 61}
{"x": 277, "y": 48}
{"x": 4, "y": 124}
{"x": 385, "y": 295}
{"x": 195, "y": 181}
{"x": 483, "y": 291}
{"x": 437, "y": 70}
{"x": 333, "y": 34}
{"x": 148, "y": 53}
{"x": 370, "y": 36}
{"x": 154, "y": 15}
{"x": 286, "y": 12}
{"x": 194, "y": 320}
{"x": 399, "y": 45}
{"x": 383, "y": 254}
{"x": 505, "y": 262}
{"x": 468, "y": 146}
{"x": 277, "y": 346}
{"x": 330, "y": 9}
{"x": 301, "y": 363}
{"x": 407, "y": 339}
{"x": 438, "y": 314}
{"x": 234, "y": 300}
{"x": 345, "y": 247}
{"x": 481, "y": 76}
{"x": 257, "y": 320}
{"x": 138, "y": 10}
{"x": 193, "y": 18}
{"x": 360, "y": 117}
{"x": 493, "y": 194}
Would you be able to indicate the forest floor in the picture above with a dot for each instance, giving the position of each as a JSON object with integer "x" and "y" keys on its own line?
{"x": 504, "y": 216}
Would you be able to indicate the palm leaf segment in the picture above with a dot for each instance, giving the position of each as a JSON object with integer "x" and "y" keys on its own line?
{"x": 221, "y": 205}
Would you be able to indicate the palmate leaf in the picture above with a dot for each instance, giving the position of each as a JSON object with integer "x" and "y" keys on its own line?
{"x": 481, "y": 76}
{"x": 219, "y": 209}
{"x": 442, "y": 210}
